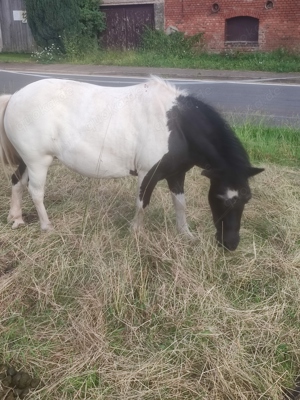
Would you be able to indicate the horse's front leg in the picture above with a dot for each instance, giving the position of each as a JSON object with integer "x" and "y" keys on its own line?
{"x": 176, "y": 186}
{"x": 19, "y": 181}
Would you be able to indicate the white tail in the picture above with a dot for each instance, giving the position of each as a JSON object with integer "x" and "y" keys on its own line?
{"x": 8, "y": 154}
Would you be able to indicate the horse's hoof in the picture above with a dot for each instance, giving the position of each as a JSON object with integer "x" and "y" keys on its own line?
{"x": 47, "y": 228}
{"x": 135, "y": 231}
{"x": 17, "y": 223}
{"x": 187, "y": 235}
{"x": 192, "y": 239}
{"x": 136, "y": 228}
{"x": 11, "y": 218}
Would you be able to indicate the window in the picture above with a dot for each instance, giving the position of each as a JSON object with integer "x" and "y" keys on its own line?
{"x": 242, "y": 29}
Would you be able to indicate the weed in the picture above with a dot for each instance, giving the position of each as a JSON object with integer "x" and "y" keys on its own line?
{"x": 175, "y": 45}
{"x": 47, "y": 55}
{"x": 80, "y": 48}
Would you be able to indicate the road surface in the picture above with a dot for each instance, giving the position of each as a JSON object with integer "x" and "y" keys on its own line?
{"x": 275, "y": 104}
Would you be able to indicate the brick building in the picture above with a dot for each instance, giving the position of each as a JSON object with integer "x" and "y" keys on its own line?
{"x": 247, "y": 24}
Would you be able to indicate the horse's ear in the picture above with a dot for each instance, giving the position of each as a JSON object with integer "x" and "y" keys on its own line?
{"x": 254, "y": 171}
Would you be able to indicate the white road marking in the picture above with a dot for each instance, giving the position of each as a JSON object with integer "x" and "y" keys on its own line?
{"x": 254, "y": 81}
{"x": 258, "y": 114}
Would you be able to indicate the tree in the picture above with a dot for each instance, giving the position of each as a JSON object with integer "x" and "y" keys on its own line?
{"x": 53, "y": 22}
{"x": 91, "y": 19}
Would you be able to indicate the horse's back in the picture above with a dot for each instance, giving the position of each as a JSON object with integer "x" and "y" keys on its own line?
{"x": 98, "y": 131}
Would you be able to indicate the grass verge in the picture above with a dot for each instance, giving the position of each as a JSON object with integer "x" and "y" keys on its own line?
{"x": 276, "y": 61}
{"x": 15, "y": 58}
{"x": 278, "y": 145}
{"x": 98, "y": 313}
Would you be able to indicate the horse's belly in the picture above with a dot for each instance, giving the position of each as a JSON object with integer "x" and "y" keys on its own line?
{"x": 95, "y": 164}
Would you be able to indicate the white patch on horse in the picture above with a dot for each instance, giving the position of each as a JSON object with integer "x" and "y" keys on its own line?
{"x": 179, "y": 205}
{"x": 230, "y": 194}
{"x": 137, "y": 222}
{"x": 88, "y": 139}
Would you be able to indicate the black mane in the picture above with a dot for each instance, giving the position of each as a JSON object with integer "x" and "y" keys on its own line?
{"x": 211, "y": 141}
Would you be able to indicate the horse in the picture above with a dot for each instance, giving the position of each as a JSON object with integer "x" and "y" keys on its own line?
{"x": 152, "y": 130}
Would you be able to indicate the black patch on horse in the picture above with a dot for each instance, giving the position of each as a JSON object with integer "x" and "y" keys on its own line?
{"x": 199, "y": 136}
{"x": 133, "y": 173}
{"x": 211, "y": 142}
{"x": 17, "y": 175}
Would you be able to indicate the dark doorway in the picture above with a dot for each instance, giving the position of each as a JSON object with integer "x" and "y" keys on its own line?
{"x": 125, "y": 25}
{"x": 242, "y": 29}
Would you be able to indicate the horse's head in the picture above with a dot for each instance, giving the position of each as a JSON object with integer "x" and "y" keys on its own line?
{"x": 227, "y": 202}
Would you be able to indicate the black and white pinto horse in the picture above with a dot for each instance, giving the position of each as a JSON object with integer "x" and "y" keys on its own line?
{"x": 151, "y": 130}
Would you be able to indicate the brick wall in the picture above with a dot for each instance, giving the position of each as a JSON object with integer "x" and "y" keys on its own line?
{"x": 278, "y": 26}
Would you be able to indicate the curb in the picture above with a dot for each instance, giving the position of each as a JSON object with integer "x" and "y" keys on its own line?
{"x": 176, "y": 73}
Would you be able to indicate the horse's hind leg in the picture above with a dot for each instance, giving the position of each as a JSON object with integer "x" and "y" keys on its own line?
{"x": 176, "y": 186}
{"x": 19, "y": 181}
{"x": 36, "y": 187}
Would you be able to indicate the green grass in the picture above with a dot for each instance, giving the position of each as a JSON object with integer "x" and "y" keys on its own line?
{"x": 278, "y": 145}
{"x": 273, "y": 62}
{"x": 15, "y": 58}
{"x": 277, "y": 61}
{"x": 99, "y": 313}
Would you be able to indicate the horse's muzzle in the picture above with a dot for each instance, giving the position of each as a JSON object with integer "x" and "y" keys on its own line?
{"x": 229, "y": 241}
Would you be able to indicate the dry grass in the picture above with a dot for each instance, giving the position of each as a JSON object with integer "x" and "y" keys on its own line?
{"x": 98, "y": 313}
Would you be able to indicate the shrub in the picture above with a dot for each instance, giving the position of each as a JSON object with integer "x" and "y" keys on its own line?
{"x": 91, "y": 19}
{"x": 50, "y": 20}
{"x": 175, "y": 44}
{"x": 57, "y": 22}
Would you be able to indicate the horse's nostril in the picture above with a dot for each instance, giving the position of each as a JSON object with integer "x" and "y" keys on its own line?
{"x": 230, "y": 245}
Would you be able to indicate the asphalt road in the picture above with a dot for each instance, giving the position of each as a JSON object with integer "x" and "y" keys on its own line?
{"x": 276, "y": 104}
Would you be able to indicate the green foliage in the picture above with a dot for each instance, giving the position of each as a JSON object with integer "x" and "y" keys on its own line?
{"x": 91, "y": 19}
{"x": 175, "y": 44}
{"x": 57, "y": 22}
{"x": 79, "y": 48}
{"x": 49, "y": 21}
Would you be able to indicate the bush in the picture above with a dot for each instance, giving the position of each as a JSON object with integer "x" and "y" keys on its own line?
{"x": 50, "y": 20}
{"x": 91, "y": 19}
{"x": 175, "y": 44}
{"x": 79, "y": 47}
{"x": 55, "y": 23}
